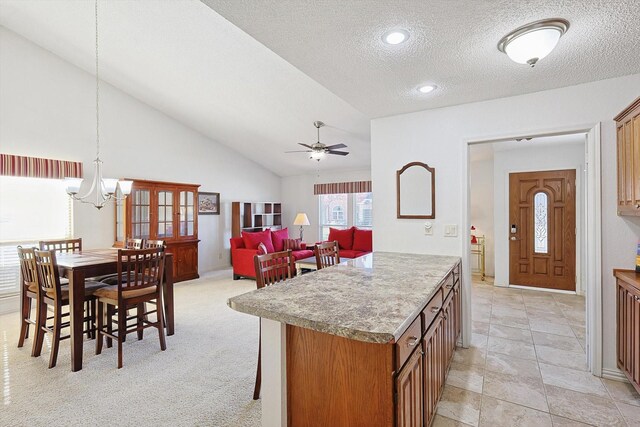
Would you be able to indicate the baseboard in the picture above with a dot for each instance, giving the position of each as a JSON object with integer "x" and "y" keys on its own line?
{"x": 532, "y": 288}
{"x": 10, "y": 304}
{"x": 614, "y": 374}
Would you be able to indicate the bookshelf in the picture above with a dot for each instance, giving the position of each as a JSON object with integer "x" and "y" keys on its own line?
{"x": 255, "y": 216}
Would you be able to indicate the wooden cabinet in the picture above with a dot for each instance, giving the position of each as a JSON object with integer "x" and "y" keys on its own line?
{"x": 409, "y": 390}
{"x": 163, "y": 211}
{"x": 628, "y": 324}
{"x": 433, "y": 373}
{"x": 252, "y": 216}
{"x": 628, "y": 145}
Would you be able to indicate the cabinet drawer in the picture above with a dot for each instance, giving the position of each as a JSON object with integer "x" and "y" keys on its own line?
{"x": 408, "y": 342}
{"x": 456, "y": 273}
{"x": 447, "y": 286}
{"x": 432, "y": 309}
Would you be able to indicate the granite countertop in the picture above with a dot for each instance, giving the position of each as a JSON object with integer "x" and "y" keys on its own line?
{"x": 373, "y": 298}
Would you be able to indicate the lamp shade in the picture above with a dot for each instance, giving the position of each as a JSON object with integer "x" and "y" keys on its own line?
{"x": 301, "y": 219}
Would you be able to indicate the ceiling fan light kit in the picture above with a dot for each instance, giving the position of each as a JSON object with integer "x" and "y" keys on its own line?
{"x": 532, "y": 42}
{"x": 318, "y": 151}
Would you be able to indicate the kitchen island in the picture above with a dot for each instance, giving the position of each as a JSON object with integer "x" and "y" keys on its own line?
{"x": 367, "y": 342}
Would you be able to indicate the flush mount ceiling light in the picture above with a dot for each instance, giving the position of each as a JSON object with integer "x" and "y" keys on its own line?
{"x": 532, "y": 42}
{"x": 426, "y": 88}
{"x": 394, "y": 37}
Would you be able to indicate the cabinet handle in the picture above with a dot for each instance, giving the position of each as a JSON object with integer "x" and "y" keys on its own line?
{"x": 435, "y": 309}
{"x": 637, "y": 298}
{"x": 638, "y": 206}
{"x": 415, "y": 341}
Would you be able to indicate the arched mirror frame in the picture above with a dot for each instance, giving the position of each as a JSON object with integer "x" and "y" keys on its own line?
{"x": 433, "y": 191}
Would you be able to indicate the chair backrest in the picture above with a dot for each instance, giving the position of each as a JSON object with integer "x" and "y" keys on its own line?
{"x": 68, "y": 245}
{"x": 28, "y": 268}
{"x": 139, "y": 268}
{"x": 48, "y": 276}
{"x": 134, "y": 244}
{"x": 327, "y": 254}
{"x": 148, "y": 244}
{"x": 273, "y": 268}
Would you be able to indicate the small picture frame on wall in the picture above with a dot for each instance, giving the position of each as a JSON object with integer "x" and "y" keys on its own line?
{"x": 208, "y": 203}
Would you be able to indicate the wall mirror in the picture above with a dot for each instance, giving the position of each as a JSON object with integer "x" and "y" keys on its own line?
{"x": 416, "y": 190}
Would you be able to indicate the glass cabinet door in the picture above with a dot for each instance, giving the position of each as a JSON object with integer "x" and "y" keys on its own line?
{"x": 187, "y": 217}
{"x": 140, "y": 213}
{"x": 165, "y": 214}
{"x": 120, "y": 216}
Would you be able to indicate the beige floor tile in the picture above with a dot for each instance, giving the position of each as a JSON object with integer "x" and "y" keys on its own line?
{"x": 470, "y": 356}
{"x": 566, "y": 422}
{"x": 511, "y": 348}
{"x": 548, "y": 317}
{"x": 480, "y": 328}
{"x": 501, "y": 363}
{"x": 578, "y": 316}
{"x": 514, "y": 322}
{"x": 496, "y": 413}
{"x": 568, "y": 359}
{"x": 503, "y": 310}
{"x": 516, "y": 334}
{"x": 515, "y": 389}
{"x": 440, "y": 421}
{"x": 557, "y": 341}
{"x": 479, "y": 341}
{"x": 583, "y": 407}
{"x": 551, "y": 328}
{"x": 541, "y": 309}
{"x": 481, "y": 316}
{"x": 461, "y": 405}
{"x": 622, "y": 392}
{"x": 631, "y": 413}
{"x": 468, "y": 377}
{"x": 572, "y": 379}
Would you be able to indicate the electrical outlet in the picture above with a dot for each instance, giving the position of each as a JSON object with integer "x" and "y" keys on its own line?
{"x": 428, "y": 228}
{"x": 451, "y": 230}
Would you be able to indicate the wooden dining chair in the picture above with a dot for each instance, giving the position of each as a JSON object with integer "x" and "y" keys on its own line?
{"x": 134, "y": 243}
{"x": 52, "y": 294}
{"x": 327, "y": 254}
{"x": 270, "y": 268}
{"x": 154, "y": 244}
{"x": 66, "y": 245}
{"x": 28, "y": 290}
{"x": 140, "y": 275}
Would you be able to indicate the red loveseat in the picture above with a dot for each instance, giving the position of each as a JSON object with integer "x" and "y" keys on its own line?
{"x": 242, "y": 256}
{"x": 353, "y": 242}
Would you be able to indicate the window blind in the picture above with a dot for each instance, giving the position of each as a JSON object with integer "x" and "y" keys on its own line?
{"x": 36, "y": 167}
{"x": 342, "y": 187}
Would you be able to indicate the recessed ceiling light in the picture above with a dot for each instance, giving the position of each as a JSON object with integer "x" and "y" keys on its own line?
{"x": 395, "y": 37}
{"x": 426, "y": 88}
{"x": 532, "y": 42}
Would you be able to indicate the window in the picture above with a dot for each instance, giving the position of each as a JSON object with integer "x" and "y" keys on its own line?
{"x": 343, "y": 211}
{"x": 31, "y": 209}
{"x": 540, "y": 221}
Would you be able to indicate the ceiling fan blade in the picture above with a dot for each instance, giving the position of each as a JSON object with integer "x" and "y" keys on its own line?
{"x": 333, "y": 147}
{"x": 305, "y": 145}
{"x": 299, "y": 151}
{"x": 339, "y": 153}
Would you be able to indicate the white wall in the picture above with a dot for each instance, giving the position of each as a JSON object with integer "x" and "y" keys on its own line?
{"x": 527, "y": 160}
{"x": 297, "y": 196}
{"x": 438, "y": 138}
{"x": 47, "y": 109}
{"x": 481, "y": 209}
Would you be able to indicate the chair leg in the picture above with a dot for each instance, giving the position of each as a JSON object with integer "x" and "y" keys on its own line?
{"x": 41, "y": 321}
{"x": 92, "y": 317}
{"x": 55, "y": 342}
{"x": 28, "y": 316}
{"x": 25, "y": 313}
{"x": 141, "y": 309}
{"x": 122, "y": 327}
{"x": 87, "y": 323}
{"x": 256, "y": 390}
{"x": 109, "y": 324}
{"x": 159, "y": 314}
{"x": 100, "y": 320}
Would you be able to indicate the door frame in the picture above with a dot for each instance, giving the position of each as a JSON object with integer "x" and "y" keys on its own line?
{"x": 592, "y": 237}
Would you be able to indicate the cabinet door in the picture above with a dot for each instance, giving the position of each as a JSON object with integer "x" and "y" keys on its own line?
{"x": 187, "y": 261}
{"x": 633, "y": 331}
{"x": 628, "y": 162}
{"x": 409, "y": 392}
{"x": 187, "y": 217}
{"x": 432, "y": 379}
{"x": 635, "y": 149}
{"x": 165, "y": 213}
{"x": 621, "y": 303}
{"x": 140, "y": 213}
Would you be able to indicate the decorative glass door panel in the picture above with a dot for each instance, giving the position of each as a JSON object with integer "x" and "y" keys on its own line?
{"x": 140, "y": 213}
{"x": 187, "y": 216}
{"x": 165, "y": 214}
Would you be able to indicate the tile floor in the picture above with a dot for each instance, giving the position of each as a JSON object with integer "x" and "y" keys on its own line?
{"x": 527, "y": 367}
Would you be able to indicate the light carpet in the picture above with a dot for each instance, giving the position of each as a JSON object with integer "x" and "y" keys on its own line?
{"x": 204, "y": 378}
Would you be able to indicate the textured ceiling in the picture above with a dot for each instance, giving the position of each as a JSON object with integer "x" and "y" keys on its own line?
{"x": 452, "y": 44}
{"x": 486, "y": 151}
{"x": 187, "y": 61}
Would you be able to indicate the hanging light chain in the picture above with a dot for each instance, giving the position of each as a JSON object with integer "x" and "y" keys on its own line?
{"x": 97, "y": 89}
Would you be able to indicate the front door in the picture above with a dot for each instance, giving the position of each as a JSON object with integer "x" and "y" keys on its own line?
{"x": 542, "y": 222}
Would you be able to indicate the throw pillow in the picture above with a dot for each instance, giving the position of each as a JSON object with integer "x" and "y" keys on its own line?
{"x": 252, "y": 240}
{"x": 292, "y": 244}
{"x": 344, "y": 237}
{"x": 262, "y": 249}
{"x": 362, "y": 240}
{"x": 278, "y": 237}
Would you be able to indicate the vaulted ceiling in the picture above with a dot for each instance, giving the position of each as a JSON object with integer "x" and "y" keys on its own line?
{"x": 254, "y": 75}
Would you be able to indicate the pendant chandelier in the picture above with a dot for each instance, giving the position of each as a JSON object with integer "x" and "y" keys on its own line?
{"x": 105, "y": 188}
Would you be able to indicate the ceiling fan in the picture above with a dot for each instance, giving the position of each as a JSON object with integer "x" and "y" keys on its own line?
{"x": 319, "y": 150}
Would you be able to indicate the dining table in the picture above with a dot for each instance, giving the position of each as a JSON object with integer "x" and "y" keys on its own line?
{"x": 76, "y": 266}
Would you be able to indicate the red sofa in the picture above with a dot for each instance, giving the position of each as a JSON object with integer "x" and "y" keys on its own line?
{"x": 242, "y": 257}
{"x": 353, "y": 242}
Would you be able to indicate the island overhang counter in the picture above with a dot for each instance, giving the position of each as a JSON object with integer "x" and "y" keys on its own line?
{"x": 365, "y": 342}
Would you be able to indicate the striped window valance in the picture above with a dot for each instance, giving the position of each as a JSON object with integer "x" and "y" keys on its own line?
{"x": 35, "y": 167}
{"x": 342, "y": 187}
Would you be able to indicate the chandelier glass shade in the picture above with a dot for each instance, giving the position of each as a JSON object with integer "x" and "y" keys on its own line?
{"x": 532, "y": 42}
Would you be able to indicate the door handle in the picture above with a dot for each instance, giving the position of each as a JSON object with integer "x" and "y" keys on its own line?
{"x": 414, "y": 342}
{"x": 513, "y": 238}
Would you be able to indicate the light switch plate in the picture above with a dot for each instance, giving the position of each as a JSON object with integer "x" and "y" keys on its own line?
{"x": 428, "y": 228}
{"x": 451, "y": 230}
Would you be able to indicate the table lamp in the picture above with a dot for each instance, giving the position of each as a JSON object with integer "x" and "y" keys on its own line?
{"x": 301, "y": 219}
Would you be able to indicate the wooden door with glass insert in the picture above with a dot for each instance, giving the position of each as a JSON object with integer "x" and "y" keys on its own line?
{"x": 542, "y": 221}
